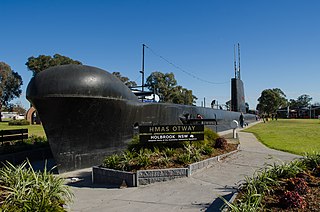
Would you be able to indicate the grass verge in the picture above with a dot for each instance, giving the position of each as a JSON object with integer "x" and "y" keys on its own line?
{"x": 32, "y": 129}
{"x": 298, "y": 136}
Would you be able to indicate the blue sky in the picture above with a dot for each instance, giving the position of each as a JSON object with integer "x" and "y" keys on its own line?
{"x": 279, "y": 40}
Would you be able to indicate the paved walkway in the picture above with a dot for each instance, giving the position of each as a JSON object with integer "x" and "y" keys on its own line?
{"x": 199, "y": 192}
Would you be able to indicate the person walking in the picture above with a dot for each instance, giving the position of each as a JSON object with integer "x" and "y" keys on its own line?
{"x": 241, "y": 120}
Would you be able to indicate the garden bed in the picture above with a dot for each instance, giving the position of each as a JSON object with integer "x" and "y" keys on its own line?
{"x": 101, "y": 175}
{"x": 144, "y": 163}
{"x": 307, "y": 197}
{"x": 293, "y": 186}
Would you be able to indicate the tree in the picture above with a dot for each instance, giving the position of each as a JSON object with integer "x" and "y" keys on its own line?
{"x": 42, "y": 62}
{"x": 10, "y": 85}
{"x": 125, "y": 80}
{"x": 18, "y": 107}
{"x": 188, "y": 97}
{"x": 162, "y": 84}
{"x": 180, "y": 95}
{"x": 302, "y": 101}
{"x": 165, "y": 85}
{"x": 271, "y": 100}
{"x": 293, "y": 103}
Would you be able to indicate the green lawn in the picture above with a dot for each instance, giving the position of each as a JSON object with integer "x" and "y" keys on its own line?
{"x": 298, "y": 136}
{"x": 33, "y": 129}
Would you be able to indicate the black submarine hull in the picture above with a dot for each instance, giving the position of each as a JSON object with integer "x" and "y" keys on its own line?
{"x": 88, "y": 114}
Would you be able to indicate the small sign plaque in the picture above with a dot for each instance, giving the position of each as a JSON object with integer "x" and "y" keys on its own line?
{"x": 171, "y": 137}
{"x": 171, "y": 128}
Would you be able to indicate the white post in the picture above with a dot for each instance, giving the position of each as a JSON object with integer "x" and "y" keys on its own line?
{"x": 234, "y": 125}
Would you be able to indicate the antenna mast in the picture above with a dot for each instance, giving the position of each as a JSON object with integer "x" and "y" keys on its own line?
{"x": 235, "y": 61}
{"x": 142, "y": 69}
{"x": 239, "y": 61}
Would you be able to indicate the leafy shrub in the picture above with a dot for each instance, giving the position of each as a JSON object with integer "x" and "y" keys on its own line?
{"x": 221, "y": 143}
{"x": 189, "y": 148}
{"x": 112, "y": 161}
{"x": 169, "y": 152}
{"x": 207, "y": 150}
{"x": 33, "y": 142}
{"x": 258, "y": 184}
{"x": 156, "y": 151}
{"x": 126, "y": 160}
{"x": 193, "y": 154}
{"x": 146, "y": 152}
{"x": 286, "y": 170}
{"x": 23, "y": 189}
{"x": 210, "y": 136}
{"x": 251, "y": 205}
{"x": 298, "y": 184}
{"x": 196, "y": 154}
{"x": 164, "y": 160}
{"x": 34, "y": 139}
{"x": 312, "y": 160}
{"x": 38, "y": 139}
{"x": 143, "y": 159}
{"x": 19, "y": 122}
{"x": 292, "y": 199}
{"x": 184, "y": 158}
{"x": 135, "y": 144}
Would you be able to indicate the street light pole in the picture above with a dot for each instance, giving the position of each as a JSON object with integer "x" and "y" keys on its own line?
{"x": 142, "y": 69}
{"x": 310, "y": 110}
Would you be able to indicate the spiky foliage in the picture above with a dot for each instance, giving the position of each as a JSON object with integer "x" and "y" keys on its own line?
{"x": 23, "y": 189}
{"x": 254, "y": 188}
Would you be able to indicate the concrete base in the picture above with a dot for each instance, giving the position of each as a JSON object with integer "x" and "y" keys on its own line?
{"x": 111, "y": 176}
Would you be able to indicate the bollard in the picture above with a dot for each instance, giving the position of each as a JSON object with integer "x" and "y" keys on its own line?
{"x": 234, "y": 125}
{"x": 234, "y": 133}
